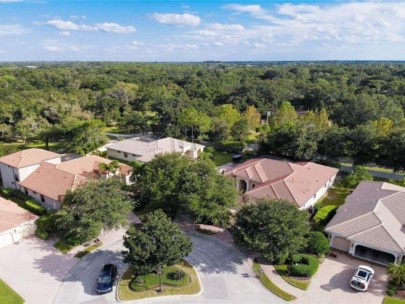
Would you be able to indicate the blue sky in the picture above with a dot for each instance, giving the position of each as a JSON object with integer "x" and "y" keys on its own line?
{"x": 201, "y": 30}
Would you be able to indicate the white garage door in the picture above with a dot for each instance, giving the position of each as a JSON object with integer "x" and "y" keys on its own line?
{"x": 5, "y": 240}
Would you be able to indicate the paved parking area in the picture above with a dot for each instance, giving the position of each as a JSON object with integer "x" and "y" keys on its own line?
{"x": 34, "y": 269}
{"x": 331, "y": 283}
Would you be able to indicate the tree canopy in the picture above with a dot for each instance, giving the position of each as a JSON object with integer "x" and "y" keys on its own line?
{"x": 95, "y": 206}
{"x": 155, "y": 243}
{"x": 274, "y": 229}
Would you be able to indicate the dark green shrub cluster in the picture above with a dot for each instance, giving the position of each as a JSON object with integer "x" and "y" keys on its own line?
{"x": 32, "y": 206}
{"x": 317, "y": 243}
{"x": 391, "y": 288}
{"x": 325, "y": 214}
{"x": 303, "y": 265}
{"x": 176, "y": 275}
{"x": 6, "y": 192}
{"x": 43, "y": 235}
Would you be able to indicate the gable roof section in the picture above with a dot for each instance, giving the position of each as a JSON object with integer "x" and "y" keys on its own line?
{"x": 12, "y": 215}
{"x": 28, "y": 157}
{"x": 373, "y": 214}
{"x": 295, "y": 182}
{"x": 52, "y": 182}
{"x": 88, "y": 166}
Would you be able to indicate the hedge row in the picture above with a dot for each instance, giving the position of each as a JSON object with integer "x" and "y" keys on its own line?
{"x": 304, "y": 265}
{"x": 325, "y": 214}
{"x": 23, "y": 200}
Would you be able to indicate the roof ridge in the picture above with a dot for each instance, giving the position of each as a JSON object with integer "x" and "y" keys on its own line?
{"x": 367, "y": 230}
{"x": 352, "y": 219}
{"x": 288, "y": 188}
{"x": 395, "y": 241}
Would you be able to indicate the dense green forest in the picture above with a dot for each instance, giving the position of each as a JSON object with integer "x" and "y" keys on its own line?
{"x": 316, "y": 110}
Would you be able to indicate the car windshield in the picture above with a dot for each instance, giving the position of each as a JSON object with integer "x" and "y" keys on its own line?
{"x": 104, "y": 280}
{"x": 362, "y": 274}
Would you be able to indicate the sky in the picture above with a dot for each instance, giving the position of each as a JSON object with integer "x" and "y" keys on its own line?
{"x": 131, "y": 30}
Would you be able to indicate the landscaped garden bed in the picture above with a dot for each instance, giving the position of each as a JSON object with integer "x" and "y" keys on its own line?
{"x": 180, "y": 279}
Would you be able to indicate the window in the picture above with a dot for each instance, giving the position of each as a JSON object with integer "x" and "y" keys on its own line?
{"x": 315, "y": 195}
{"x": 16, "y": 177}
{"x": 42, "y": 198}
{"x": 34, "y": 192}
{"x": 253, "y": 185}
{"x": 26, "y": 191}
{"x": 125, "y": 155}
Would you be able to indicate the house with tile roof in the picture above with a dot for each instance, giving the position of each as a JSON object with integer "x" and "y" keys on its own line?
{"x": 303, "y": 184}
{"x": 145, "y": 149}
{"x": 371, "y": 223}
{"x": 48, "y": 183}
{"x": 15, "y": 222}
{"x": 16, "y": 167}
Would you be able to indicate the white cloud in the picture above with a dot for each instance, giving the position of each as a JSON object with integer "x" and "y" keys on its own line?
{"x": 177, "y": 19}
{"x": 64, "y": 33}
{"x": 13, "y": 30}
{"x": 53, "y": 48}
{"x": 224, "y": 27}
{"x": 258, "y": 45}
{"x": 104, "y": 27}
{"x": 290, "y": 25}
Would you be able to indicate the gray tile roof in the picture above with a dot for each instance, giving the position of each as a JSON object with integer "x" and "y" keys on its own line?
{"x": 373, "y": 214}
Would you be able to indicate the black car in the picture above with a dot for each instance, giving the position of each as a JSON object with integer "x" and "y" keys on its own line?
{"x": 106, "y": 278}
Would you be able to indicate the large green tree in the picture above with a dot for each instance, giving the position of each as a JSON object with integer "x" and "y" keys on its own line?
{"x": 93, "y": 207}
{"x": 170, "y": 181}
{"x": 155, "y": 243}
{"x": 274, "y": 229}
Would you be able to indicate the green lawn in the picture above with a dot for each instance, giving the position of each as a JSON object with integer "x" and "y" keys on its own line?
{"x": 62, "y": 246}
{"x": 115, "y": 130}
{"x": 298, "y": 283}
{"x": 380, "y": 169}
{"x": 270, "y": 285}
{"x": 390, "y": 300}
{"x": 187, "y": 286}
{"x": 9, "y": 296}
{"x": 221, "y": 158}
{"x": 335, "y": 196}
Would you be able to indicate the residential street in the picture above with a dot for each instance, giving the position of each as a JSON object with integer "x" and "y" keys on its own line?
{"x": 225, "y": 275}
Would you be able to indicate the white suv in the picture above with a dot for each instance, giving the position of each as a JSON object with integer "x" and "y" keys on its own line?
{"x": 361, "y": 278}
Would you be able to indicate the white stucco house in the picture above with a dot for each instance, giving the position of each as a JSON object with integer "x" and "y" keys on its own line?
{"x": 15, "y": 223}
{"x": 145, "y": 149}
{"x": 16, "y": 167}
{"x": 302, "y": 184}
{"x": 371, "y": 223}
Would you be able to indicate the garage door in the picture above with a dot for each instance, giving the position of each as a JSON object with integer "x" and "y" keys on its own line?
{"x": 5, "y": 240}
{"x": 341, "y": 244}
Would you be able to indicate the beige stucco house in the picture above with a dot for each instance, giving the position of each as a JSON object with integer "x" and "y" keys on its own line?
{"x": 371, "y": 223}
{"x": 301, "y": 183}
{"x": 145, "y": 149}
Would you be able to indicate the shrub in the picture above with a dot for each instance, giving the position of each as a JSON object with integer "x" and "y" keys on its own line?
{"x": 325, "y": 214}
{"x": 176, "y": 275}
{"x": 390, "y": 292}
{"x": 34, "y": 207}
{"x": 317, "y": 243}
{"x": 304, "y": 265}
{"x": 43, "y": 235}
{"x": 6, "y": 192}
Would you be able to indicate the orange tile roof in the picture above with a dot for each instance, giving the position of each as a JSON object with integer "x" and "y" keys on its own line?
{"x": 51, "y": 181}
{"x": 11, "y": 215}
{"x": 295, "y": 182}
{"x": 28, "y": 157}
{"x": 89, "y": 166}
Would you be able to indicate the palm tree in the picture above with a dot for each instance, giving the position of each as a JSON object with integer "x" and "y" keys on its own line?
{"x": 397, "y": 273}
{"x": 111, "y": 167}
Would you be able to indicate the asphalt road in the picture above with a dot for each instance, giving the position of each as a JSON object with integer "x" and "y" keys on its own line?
{"x": 224, "y": 273}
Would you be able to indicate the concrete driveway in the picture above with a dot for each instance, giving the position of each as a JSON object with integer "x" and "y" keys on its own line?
{"x": 224, "y": 273}
{"x": 331, "y": 283}
{"x": 34, "y": 269}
